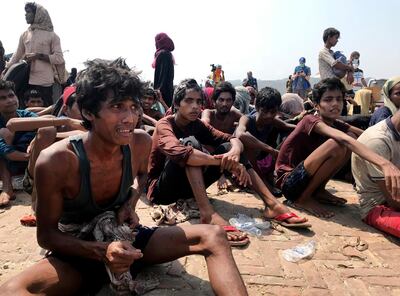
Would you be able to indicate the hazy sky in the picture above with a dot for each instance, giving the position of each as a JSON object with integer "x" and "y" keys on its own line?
{"x": 266, "y": 36}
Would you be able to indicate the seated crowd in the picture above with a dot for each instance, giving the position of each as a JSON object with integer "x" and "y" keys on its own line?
{"x": 107, "y": 121}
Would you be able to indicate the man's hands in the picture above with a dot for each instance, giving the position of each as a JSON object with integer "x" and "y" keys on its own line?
{"x": 229, "y": 160}
{"x": 120, "y": 255}
{"x": 392, "y": 180}
{"x": 127, "y": 214}
{"x": 30, "y": 57}
{"x": 242, "y": 176}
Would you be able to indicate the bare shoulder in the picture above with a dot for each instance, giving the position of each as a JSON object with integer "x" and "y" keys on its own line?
{"x": 58, "y": 158}
{"x": 141, "y": 142}
{"x": 236, "y": 114}
{"x": 206, "y": 113}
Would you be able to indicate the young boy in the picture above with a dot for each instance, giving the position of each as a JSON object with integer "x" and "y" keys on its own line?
{"x": 180, "y": 168}
{"x": 13, "y": 145}
{"x": 105, "y": 170}
{"x": 255, "y": 130}
{"x": 33, "y": 99}
{"x": 318, "y": 148}
{"x": 147, "y": 101}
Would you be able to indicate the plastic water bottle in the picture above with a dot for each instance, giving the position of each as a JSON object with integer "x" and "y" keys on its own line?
{"x": 249, "y": 225}
{"x": 305, "y": 251}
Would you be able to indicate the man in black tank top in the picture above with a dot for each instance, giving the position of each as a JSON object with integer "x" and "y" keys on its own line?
{"x": 105, "y": 170}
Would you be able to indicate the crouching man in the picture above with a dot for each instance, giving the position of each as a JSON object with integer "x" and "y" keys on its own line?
{"x": 379, "y": 198}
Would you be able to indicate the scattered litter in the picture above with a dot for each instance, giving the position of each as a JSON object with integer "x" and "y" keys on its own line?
{"x": 249, "y": 225}
{"x": 305, "y": 251}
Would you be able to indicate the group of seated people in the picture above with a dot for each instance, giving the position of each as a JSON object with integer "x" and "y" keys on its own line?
{"x": 96, "y": 156}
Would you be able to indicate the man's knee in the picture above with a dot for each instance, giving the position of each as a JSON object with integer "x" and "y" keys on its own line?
{"x": 12, "y": 287}
{"x": 335, "y": 150}
{"x": 46, "y": 134}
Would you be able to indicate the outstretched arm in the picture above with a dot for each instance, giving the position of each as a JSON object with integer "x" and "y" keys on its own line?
{"x": 390, "y": 171}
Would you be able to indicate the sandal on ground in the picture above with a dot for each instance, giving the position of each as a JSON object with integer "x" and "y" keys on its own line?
{"x": 236, "y": 243}
{"x": 282, "y": 220}
{"x": 28, "y": 220}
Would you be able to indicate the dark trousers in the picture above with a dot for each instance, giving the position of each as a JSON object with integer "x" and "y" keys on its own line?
{"x": 173, "y": 183}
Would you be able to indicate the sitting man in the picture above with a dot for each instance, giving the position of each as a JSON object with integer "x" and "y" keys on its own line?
{"x": 318, "y": 148}
{"x": 49, "y": 129}
{"x": 13, "y": 146}
{"x": 256, "y": 130}
{"x": 380, "y": 205}
{"x": 71, "y": 196}
{"x": 149, "y": 116}
{"x": 224, "y": 118}
{"x": 180, "y": 168}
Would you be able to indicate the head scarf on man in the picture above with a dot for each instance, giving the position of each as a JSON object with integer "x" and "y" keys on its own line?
{"x": 42, "y": 20}
{"x": 163, "y": 43}
{"x": 292, "y": 104}
{"x": 386, "y": 90}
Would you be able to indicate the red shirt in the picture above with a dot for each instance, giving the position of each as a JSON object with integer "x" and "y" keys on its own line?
{"x": 300, "y": 144}
{"x": 166, "y": 145}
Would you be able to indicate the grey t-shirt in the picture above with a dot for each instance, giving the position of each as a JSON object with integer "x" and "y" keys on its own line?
{"x": 384, "y": 140}
{"x": 326, "y": 63}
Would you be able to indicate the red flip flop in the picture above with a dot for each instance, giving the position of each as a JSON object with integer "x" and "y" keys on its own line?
{"x": 282, "y": 218}
{"x": 240, "y": 243}
{"x": 28, "y": 220}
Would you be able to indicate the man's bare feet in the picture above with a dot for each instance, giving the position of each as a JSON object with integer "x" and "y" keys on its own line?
{"x": 313, "y": 208}
{"x": 5, "y": 197}
{"x": 279, "y": 209}
{"x": 325, "y": 197}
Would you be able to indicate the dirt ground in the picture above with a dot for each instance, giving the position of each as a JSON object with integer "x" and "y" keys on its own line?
{"x": 337, "y": 268}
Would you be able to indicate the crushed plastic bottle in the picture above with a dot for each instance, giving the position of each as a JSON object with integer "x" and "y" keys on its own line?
{"x": 249, "y": 225}
{"x": 305, "y": 251}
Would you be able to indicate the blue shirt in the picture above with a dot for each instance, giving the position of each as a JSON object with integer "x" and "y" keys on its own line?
{"x": 379, "y": 115}
{"x": 301, "y": 82}
{"x": 21, "y": 139}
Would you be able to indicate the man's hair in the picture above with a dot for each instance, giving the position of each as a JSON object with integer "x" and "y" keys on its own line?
{"x": 327, "y": 84}
{"x": 101, "y": 76}
{"x": 31, "y": 6}
{"x": 354, "y": 53}
{"x": 224, "y": 86}
{"x": 7, "y": 85}
{"x": 32, "y": 93}
{"x": 330, "y": 32}
{"x": 150, "y": 92}
{"x": 182, "y": 87}
{"x": 268, "y": 98}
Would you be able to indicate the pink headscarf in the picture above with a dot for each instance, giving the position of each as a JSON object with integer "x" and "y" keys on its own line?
{"x": 163, "y": 43}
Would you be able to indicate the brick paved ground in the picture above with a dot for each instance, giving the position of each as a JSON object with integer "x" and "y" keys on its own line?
{"x": 375, "y": 271}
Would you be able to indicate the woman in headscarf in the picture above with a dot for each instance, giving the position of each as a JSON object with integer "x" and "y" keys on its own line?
{"x": 163, "y": 65}
{"x": 391, "y": 99}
